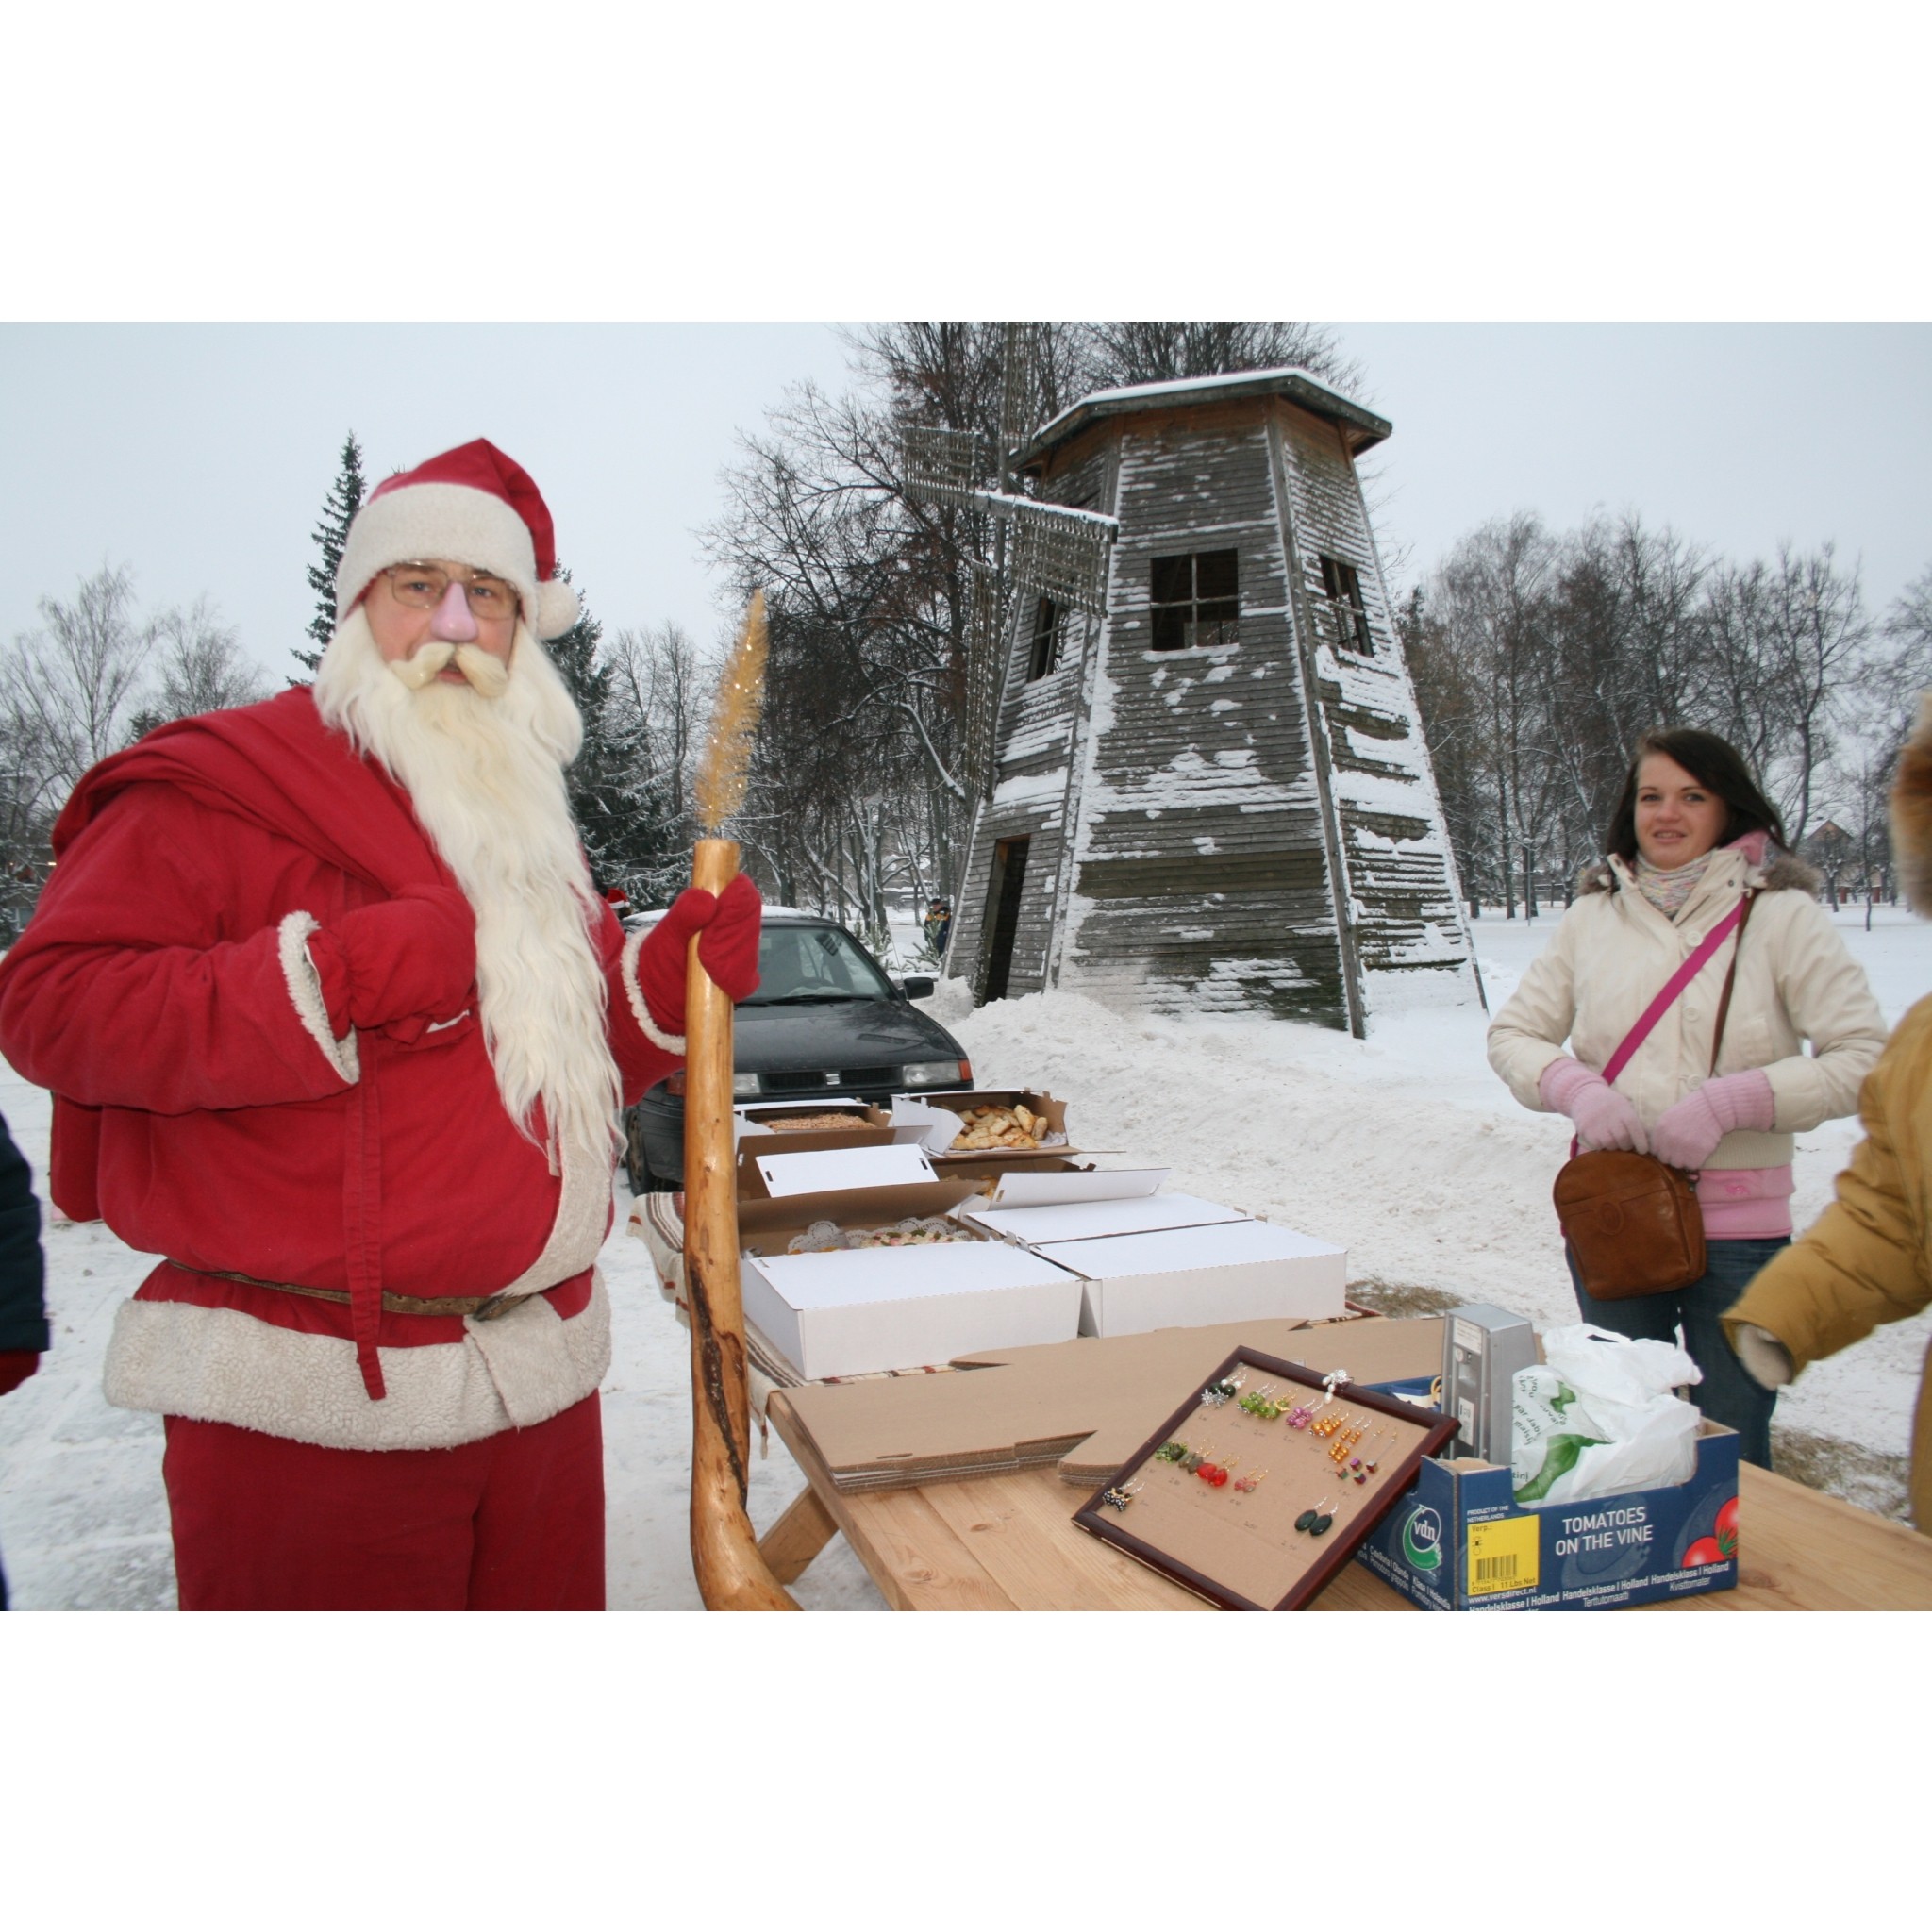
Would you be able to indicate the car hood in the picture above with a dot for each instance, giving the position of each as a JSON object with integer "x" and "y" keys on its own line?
{"x": 854, "y": 1033}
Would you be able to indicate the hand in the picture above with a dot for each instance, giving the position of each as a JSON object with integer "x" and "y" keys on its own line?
{"x": 16, "y": 1365}
{"x": 1687, "y": 1135}
{"x": 1604, "y": 1117}
{"x": 727, "y": 925}
{"x": 401, "y": 963}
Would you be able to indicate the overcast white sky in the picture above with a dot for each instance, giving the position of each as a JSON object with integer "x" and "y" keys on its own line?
{"x": 199, "y": 455}
{"x": 1654, "y": 159}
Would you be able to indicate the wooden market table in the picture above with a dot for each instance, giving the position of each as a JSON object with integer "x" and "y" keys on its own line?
{"x": 1009, "y": 1542}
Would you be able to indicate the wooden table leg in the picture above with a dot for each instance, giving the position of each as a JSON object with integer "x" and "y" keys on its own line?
{"x": 797, "y": 1536}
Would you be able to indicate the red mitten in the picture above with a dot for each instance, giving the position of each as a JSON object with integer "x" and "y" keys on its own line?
{"x": 727, "y": 925}
{"x": 408, "y": 960}
{"x": 16, "y": 1365}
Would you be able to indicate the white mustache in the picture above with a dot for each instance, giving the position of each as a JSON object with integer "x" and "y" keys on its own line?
{"x": 489, "y": 675}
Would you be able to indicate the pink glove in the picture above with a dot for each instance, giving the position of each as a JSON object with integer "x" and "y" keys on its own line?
{"x": 1687, "y": 1135}
{"x": 728, "y": 948}
{"x": 401, "y": 963}
{"x": 1604, "y": 1117}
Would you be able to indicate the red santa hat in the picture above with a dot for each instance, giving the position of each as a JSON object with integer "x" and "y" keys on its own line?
{"x": 472, "y": 506}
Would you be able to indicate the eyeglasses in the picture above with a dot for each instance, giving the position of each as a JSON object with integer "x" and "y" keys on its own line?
{"x": 424, "y": 586}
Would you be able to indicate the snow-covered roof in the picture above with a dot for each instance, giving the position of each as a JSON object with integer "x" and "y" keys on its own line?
{"x": 1321, "y": 398}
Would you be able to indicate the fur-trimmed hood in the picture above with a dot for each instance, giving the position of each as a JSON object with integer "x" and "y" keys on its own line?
{"x": 1781, "y": 871}
{"x": 1911, "y": 812}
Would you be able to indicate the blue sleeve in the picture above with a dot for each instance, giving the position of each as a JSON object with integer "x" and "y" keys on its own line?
{"x": 23, "y": 1273}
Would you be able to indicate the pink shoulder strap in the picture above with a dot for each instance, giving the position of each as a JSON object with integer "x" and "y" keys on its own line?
{"x": 1677, "y": 982}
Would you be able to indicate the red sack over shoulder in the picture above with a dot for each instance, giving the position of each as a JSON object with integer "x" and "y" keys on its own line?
{"x": 73, "y": 1160}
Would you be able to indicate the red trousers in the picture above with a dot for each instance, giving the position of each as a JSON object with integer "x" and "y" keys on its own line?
{"x": 512, "y": 1523}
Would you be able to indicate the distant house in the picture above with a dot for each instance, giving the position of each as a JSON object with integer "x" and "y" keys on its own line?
{"x": 1833, "y": 851}
{"x": 1214, "y": 795}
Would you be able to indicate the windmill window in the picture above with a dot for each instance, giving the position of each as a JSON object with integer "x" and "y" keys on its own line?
{"x": 1342, "y": 585}
{"x": 1196, "y": 600}
{"x": 1049, "y": 629}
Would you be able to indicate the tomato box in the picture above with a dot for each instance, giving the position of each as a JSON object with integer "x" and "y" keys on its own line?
{"x": 1459, "y": 1540}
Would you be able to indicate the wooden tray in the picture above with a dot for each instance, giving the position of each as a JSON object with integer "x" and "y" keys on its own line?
{"x": 1239, "y": 1548}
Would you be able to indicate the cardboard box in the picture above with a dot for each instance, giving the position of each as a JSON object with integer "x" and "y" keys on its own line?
{"x": 1093, "y": 1216}
{"x": 855, "y": 1312}
{"x": 769, "y": 1169}
{"x": 1186, "y": 1277}
{"x": 1084, "y": 1403}
{"x": 990, "y": 1174}
{"x": 870, "y": 1126}
{"x": 1459, "y": 1540}
{"x": 939, "y": 1118}
{"x": 1049, "y": 1183}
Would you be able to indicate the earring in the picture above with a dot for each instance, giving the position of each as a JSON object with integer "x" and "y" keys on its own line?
{"x": 1218, "y": 1392}
{"x": 1248, "y": 1484}
{"x": 1314, "y": 1522}
{"x": 1120, "y": 1496}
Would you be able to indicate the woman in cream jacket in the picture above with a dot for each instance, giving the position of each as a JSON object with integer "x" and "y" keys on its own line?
{"x": 1690, "y": 834}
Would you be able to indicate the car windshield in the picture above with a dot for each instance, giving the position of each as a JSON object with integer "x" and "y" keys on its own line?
{"x": 804, "y": 963}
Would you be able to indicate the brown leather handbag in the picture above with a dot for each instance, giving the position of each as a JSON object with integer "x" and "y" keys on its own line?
{"x": 1633, "y": 1224}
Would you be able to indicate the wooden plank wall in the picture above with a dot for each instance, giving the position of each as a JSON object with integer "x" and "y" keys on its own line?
{"x": 1032, "y": 769}
{"x": 1201, "y": 881}
{"x": 1196, "y": 876}
{"x": 1395, "y": 849}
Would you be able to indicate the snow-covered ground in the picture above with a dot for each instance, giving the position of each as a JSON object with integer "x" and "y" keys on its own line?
{"x": 1404, "y": 1147}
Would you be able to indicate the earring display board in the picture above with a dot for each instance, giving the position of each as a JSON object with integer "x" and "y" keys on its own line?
{"x": 1260, "y": 1486}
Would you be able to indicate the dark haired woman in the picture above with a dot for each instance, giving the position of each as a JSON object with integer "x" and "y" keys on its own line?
{"x": 1690, "y": 836}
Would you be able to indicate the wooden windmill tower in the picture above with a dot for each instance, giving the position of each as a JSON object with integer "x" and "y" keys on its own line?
{"x": 1203, "y": 784}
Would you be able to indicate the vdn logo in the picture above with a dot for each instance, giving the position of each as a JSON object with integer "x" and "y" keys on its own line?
{"x": 1422, "y": 1539}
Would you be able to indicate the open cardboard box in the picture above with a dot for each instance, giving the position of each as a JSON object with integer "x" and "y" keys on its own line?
{"x": 940, "y": 1119}
{"x": 1083, "y": 1404}
{"x": 1459, "y": 1540}
{"x": 1188, "y": 1277}
{"x": 1079, "y": 1213}
{"x": 1054, "y": 1183}
{"x": 854, "y": 1312}
{"x": 771, "y": 1168}
{"x": 870, "y": 1126}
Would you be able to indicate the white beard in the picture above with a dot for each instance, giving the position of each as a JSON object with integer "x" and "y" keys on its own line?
{"x": 486, "y": 778}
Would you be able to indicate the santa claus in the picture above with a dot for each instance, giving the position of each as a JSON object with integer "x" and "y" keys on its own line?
{"x": 338, "y": 1024}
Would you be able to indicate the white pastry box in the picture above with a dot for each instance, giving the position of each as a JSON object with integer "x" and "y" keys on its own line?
{"x": 1096, "y": 1216}
{"x": 1191, "y": 1276}
{"x": 858, "y": 1311}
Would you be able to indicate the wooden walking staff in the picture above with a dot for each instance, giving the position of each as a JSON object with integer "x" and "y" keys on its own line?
{"x": 732, "y": 1574}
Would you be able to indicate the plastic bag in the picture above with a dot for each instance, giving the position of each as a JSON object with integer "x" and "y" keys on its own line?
{"x": 1597, "y": 1418}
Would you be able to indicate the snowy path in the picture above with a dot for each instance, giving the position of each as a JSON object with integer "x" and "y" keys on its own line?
{"x": 1404, "y": 1147}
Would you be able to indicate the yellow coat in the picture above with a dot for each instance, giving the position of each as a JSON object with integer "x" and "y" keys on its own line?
{"x": 1867, "y": 1257}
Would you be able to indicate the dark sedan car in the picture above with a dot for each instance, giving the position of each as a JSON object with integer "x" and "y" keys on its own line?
{"x": 824, "y": 1024}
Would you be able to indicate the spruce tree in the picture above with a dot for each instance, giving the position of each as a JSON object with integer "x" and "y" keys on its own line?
{"x": 338, "y": 511}
{"x": 628, "y": 827}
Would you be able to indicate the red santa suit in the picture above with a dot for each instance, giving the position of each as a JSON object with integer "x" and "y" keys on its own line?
{"x": 318, "y": 1192}
{"x": 212, "y": 1113}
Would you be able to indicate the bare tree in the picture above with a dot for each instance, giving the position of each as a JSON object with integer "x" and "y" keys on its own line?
{"x": 1819, "y": 648}
{"x": 1118, "y": 353}
{"x": 201, "y": 668}
{"x": 69, "y": 687}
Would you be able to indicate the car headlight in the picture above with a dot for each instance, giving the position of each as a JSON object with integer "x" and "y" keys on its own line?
{"x": 744, "y": 1085}
{"x": 931, "y": 1074}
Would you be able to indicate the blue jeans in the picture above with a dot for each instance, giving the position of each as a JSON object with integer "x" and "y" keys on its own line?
{"x": 1726, "y": 1394}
